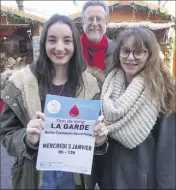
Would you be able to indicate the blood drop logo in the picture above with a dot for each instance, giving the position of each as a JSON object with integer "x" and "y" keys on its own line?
{"x": 74, "y": 112}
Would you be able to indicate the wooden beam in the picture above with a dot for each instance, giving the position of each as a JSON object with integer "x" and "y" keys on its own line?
{"x": 140, "y": 3}
{"x": 152, "y": 21}
{"x": 15, "y": 25}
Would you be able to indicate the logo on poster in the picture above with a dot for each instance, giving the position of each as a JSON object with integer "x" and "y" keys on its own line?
{"x": 53, "y": 106}
{"x": 74, "y": 112}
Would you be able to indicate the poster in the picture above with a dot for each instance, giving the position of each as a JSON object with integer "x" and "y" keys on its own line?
{"x": 67, "y": 142}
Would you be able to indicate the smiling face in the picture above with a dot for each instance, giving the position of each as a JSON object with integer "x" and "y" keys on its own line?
{"x": 94, "y": 24}
{"x": 59, "y": 44}
{"x": 133, "y": 57}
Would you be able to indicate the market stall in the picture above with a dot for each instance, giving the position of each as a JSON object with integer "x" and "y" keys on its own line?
{"x": 17, "y": 33}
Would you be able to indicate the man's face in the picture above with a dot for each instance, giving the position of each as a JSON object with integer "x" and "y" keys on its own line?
{"x": 94, "y": 23}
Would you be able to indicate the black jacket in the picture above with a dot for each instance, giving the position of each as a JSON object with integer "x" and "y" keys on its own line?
{"x": 151, "y": 165}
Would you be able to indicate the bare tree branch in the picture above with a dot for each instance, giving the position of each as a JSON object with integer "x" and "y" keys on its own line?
{"x": 20, "y": 5}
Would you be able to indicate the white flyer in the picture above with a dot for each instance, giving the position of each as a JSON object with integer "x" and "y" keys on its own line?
{"x": 67, "y": 142}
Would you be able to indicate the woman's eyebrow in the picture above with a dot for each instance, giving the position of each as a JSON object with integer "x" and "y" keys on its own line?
{"x": 51, "y": 36}
{"x": 67, "y": 36}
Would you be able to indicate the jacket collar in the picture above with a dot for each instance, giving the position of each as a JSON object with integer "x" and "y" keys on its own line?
{"x": 25, "y": 81}
{"x": 110, "y": 47}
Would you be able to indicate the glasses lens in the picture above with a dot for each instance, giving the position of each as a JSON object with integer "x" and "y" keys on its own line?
{"x": 98, "y": 19}
{"x": 139, "y": 54}
{"x": 90, "y": 19}
{"x": 124, "y": 54}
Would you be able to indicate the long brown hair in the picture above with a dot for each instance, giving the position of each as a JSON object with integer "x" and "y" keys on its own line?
{"x": 156, "y": 75}
{"x": 44, "y": 69}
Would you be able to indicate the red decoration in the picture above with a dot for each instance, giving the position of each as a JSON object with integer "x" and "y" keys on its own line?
{"x": 74, "y": 111}
{"x": 6, "y": 33}
{"x": 1, "y": 105}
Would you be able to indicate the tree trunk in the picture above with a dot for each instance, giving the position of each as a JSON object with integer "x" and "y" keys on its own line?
{"x": 74, "y": 2}
{"x": 20, "y": 5}
{"x": 159, "y": 5}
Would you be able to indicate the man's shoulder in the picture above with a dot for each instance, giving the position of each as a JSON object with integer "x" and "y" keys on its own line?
{"x": 88, "y": 77}
{"x": 90, "y": 83}
{"x": 109, "y": 56}
{"x": 97, "y": 73}
{"x": 110, "y": 46}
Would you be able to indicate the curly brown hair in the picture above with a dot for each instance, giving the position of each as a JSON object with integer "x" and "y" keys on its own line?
{"x": 156, "y": 75}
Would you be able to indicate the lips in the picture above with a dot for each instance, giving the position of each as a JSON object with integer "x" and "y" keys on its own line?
{"x": 61, "y": 56}
{"x": 130, "y": 64}
{"x": 94, "y": 30}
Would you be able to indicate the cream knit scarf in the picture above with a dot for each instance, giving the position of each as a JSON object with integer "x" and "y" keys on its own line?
{"x": 130, "y": 113}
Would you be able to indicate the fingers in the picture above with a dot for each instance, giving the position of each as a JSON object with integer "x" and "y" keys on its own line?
{"x": 99, "y": 120}
{"x": 35, "y": 126}
{"x": 100, "y": 130}
{"x": 98, "y": 127}
{"x": 103, "y": 132}
{"x": 40, "y": 115}
{"x": 33, "y": 131}
{"x": 36, "y": 123}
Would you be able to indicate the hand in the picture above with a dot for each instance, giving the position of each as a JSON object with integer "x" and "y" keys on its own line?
{"x": 35, "y": 127}
{"x": 100, "y": 131}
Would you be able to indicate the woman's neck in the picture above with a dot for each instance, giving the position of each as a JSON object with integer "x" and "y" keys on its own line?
{"x": 61, "y": 76}
{"x": 128, "y": 79}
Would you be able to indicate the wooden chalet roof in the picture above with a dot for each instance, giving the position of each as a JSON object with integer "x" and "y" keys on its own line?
{"x": 141, "y": 4}
{"x": 21, "y": 15}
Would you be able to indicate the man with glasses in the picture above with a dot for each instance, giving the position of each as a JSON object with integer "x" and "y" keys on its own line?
{"x": 97, "y": 48}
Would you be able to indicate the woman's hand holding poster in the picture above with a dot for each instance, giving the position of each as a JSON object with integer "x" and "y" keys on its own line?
{"x": 67, "y": 142}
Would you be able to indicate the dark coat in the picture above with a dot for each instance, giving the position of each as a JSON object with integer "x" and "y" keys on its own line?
{"x": 151, "y": 165}
{"x": 13, "y": 132}
{"x": 101, "y": 74}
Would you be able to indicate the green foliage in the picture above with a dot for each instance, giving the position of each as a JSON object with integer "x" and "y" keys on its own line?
{"x": 19, "y": 19}
{"x": 171, "y": 48}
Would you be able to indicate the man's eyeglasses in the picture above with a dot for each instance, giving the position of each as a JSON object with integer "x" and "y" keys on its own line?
{"x": 137, "y": 54}
{"x": 92, "y": 18}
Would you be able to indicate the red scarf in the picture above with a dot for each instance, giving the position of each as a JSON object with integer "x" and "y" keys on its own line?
{"x": 98, "y": 49}
{"x": 1, "y": 105}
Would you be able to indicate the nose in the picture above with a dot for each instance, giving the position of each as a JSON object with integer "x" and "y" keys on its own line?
{"x": 131, "y": 57}
{"x": 59, "y": 46}
{"x": 94, "y": 21}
